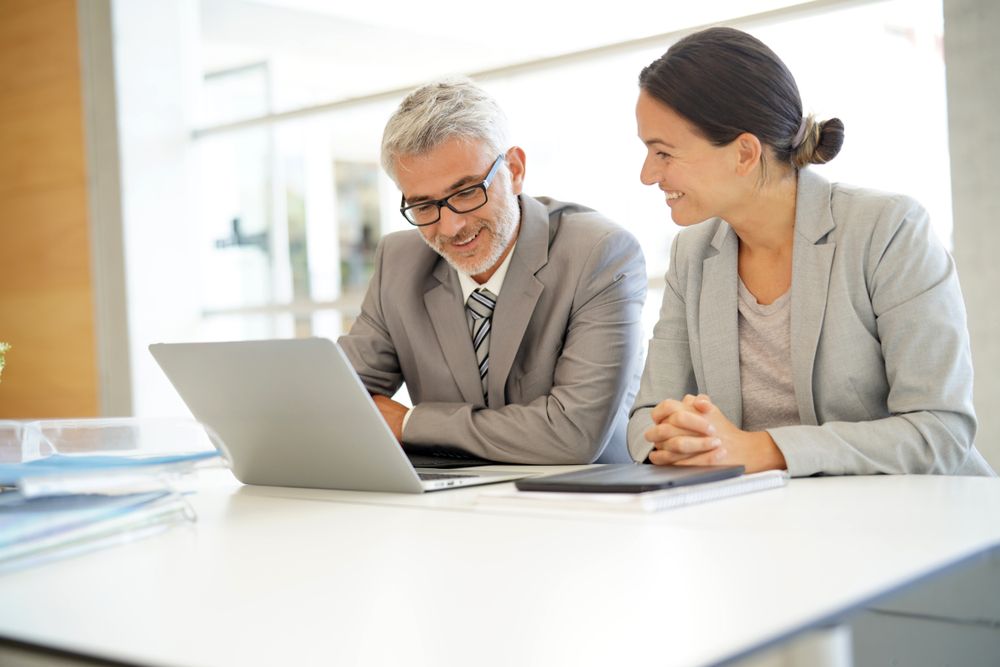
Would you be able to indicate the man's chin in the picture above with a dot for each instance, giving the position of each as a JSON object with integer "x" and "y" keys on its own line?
{"x": 467, "y": 268}
{"x": 470, "y": 266}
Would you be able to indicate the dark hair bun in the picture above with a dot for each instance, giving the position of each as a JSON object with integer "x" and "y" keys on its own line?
{"x": 820, "y": 144}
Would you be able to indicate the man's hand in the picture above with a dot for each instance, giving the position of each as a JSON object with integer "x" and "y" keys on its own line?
{"x": 392, "y": 413}
{"x": 695, "y": 432}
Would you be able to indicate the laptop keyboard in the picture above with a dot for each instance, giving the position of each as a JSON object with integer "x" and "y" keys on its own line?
{"x": 443, "y": 457}
{"x": 431, "y": 476}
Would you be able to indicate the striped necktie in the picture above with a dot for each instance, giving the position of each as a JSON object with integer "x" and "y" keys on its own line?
{"x": 480, "y": 309}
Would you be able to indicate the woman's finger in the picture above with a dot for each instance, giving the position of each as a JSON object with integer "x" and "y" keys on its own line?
{"x": 665, "y": 408}
{"x": 712, "y": 458}
{"x": 691, "y": 422}
{"x": 687, "y": 445}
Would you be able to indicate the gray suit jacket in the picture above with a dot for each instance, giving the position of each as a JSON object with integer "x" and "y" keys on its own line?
{"x": 565, "y": 347}
{"x": 880, "y": 351}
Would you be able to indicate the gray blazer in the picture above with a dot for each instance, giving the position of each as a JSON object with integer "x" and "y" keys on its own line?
{"x": 565, "y": 347}
{"x": 880, "y": 351}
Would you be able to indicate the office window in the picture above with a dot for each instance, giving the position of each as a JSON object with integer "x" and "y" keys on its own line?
{"x": 279, "y": 199}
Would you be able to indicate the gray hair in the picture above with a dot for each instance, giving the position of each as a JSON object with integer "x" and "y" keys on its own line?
{"x": 439, "y": 111}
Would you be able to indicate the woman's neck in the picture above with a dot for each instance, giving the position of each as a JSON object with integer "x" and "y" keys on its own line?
{"x": 766, "y": 221}
{"x": 766, "y": 229}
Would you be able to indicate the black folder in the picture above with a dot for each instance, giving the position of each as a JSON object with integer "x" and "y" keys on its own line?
{"x": 628, "y": 478}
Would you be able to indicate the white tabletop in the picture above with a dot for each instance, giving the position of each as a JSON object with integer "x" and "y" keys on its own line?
{"x": 289, "y": 576}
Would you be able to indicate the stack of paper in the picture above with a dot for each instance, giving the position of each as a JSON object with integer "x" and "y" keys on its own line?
{"x": 41, "y": 529}
{"x": 64, "y": 504}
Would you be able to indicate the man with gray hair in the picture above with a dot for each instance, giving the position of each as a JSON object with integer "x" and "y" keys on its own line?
{"x": 513, "y": 321}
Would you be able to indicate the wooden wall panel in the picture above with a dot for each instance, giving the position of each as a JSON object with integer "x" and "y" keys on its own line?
{"x": 46, "y": 293}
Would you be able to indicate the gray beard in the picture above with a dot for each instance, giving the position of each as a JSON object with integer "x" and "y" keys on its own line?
{"x": 504, "y": 227}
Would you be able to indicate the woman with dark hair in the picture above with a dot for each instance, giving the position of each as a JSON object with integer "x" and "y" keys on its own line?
{"x": 806, "y": 325}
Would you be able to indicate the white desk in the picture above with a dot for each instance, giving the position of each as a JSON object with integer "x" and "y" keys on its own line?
{"x": 283, "y": 576}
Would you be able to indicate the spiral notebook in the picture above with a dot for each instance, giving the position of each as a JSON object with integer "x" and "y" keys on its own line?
{"x": 649, "y": 501}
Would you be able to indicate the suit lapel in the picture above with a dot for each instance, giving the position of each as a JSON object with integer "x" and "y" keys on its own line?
{"x": 447, "y": 312}
{"x": 518, "y": 296}
{"x": 718, "y": 323}
{"x": 811, "y": 264}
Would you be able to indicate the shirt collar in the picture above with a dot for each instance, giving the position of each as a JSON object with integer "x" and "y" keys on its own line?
{"x": 494, "y": 284}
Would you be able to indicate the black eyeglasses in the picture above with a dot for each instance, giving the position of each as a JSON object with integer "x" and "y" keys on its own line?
{"x": 464, "y": 201}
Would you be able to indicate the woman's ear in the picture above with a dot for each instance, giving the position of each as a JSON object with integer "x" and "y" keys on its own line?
{"x": 748, "y": 153}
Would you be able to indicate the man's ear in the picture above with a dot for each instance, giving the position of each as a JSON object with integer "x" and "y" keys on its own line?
{"x": 748, "y": 153}
{"x": 515, "y": 163}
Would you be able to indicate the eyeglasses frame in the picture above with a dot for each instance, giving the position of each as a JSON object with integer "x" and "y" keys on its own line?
{"x": 441, "y": 203}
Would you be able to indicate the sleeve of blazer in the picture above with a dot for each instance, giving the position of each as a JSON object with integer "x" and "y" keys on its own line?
{"x": 928, "y": 423}
{"x": 593, "y": 375}
{"x": 668, "y": 371}
{"x": 368, "y": 344}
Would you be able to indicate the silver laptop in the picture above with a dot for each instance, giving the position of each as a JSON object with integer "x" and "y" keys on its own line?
{"x": 294, "y": 413}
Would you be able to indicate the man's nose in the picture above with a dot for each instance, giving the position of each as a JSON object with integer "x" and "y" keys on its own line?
{"x": 451, "y": 223}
